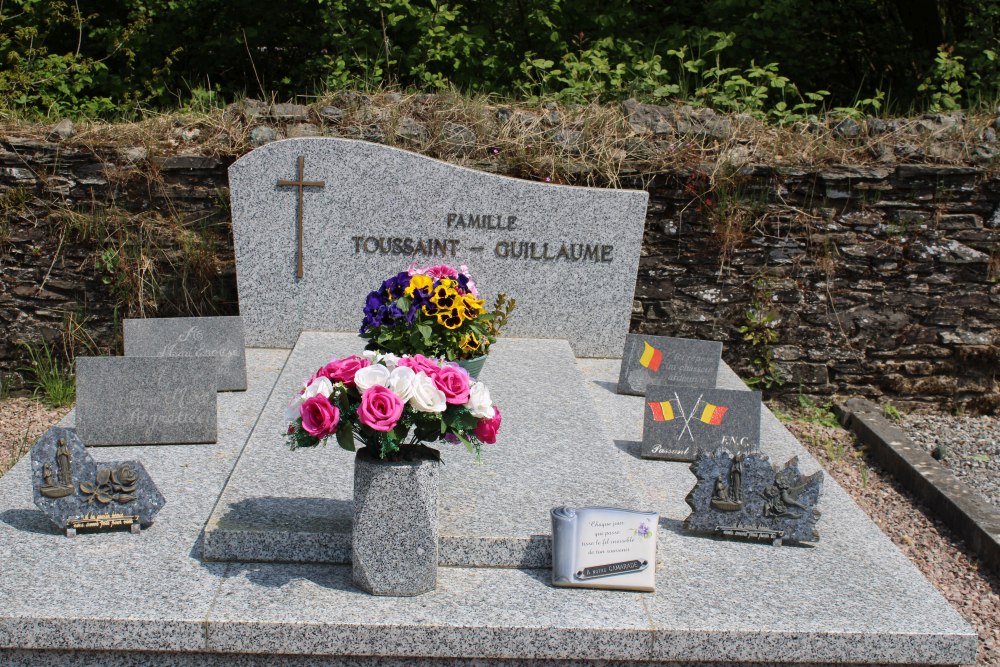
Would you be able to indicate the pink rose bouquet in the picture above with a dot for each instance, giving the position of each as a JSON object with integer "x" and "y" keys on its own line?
{"x": 390, "y": 403}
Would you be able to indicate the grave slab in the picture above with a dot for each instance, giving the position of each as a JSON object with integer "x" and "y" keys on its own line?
{"x": 115, "y": 590}
{"x": 283, "y": 506}
{"x": 218, "y": 338}
{"x": 146, "y": 400}
{"x": 149, "y": 599}
{"x": 367, "y": 211}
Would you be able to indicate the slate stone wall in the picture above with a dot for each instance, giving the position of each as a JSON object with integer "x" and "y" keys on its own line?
{"x": 871, "y": 281}
{"x": 880, "y": 281}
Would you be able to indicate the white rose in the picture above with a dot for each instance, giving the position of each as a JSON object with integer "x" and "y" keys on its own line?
{"x": 320, "y": 385}
{"x": 387, "y": 359}
{"x": 369, "y": 376}
{"x": 480, "y": 404}
{"x": 401, "y": 382}
{"x": 426, "y": 396}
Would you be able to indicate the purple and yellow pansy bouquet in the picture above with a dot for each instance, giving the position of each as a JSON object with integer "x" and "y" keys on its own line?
{"x": 392, "y": 404}
{"x": 435, "y": 311}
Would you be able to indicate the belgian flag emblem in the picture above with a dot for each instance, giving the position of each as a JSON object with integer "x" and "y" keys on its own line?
{"x": 651, "y": 357}
{"x": 662, "y": 411}
{"x": 713, "y": 414}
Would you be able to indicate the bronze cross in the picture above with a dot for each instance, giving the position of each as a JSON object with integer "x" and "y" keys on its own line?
{"x": 301, "y": 184}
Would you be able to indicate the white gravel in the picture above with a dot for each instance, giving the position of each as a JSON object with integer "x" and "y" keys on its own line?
{"x": 970, "y": 446}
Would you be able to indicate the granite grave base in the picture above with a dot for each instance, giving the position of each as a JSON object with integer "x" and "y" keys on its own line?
{"x": 116, "y": 599}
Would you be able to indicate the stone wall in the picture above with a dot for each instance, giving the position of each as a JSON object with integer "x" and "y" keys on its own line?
{"x": 873, "y": 281}
{"x": 876, "y": 281}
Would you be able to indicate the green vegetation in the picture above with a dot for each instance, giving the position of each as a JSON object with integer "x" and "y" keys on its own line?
{"x": 783, "y": 59}
{"x": 51, "y": 379}
{"x": 817, "y": 413}
{"x": 892, "y": 413}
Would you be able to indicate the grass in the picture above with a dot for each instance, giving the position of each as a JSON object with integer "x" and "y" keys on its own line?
{"x": 52, "y": 382}
{"x": 15, "y": 455}
{"x": 817, "y": 413}
{"x": 892, "y": 413}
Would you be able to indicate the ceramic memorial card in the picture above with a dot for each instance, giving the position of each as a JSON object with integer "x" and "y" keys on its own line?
{"x": 745, "y": 496}
{"x": 680, "y": 422}
{"x": 75, "y": 492}
{"x": 663, "y": 360}
{"x": 604, "y": 547}
{"x": 145, "y": 400}
{"x": 219, "y": 338}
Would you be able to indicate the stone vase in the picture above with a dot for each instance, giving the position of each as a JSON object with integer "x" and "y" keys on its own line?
{"x": 394, "y": 543}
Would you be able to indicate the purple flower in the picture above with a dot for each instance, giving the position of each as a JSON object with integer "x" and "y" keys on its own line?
{"x": 395, "y": 286}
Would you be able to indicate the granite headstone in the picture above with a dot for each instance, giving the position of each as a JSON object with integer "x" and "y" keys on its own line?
{"x": 219, "y": 338}
{"x": 745, "y": 496}
{"x": 604, "y": 547}
{"x": 146, "y": 400}
{"x": 354, "y": 213}
{"x": 664, "y": 360}
{"x": 75, "y": 492}
{"x": 680, "y": 422}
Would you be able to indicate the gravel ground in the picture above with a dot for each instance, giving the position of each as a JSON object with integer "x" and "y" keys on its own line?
{"x": 933, "y": 548}
{"x": 973, "y": 590}
{"x": 970, "y": 446}
{"x": 22, "y": 421}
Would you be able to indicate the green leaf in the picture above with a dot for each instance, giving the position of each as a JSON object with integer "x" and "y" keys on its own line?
{"x": 982, "y": 458}
{"x": 345, "y": 438}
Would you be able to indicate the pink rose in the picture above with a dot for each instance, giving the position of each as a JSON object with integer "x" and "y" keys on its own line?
{"x": 454, "y": 383}
{"x": 319, "y": 416}
{"x": 380, "y": 408}
{"x": 420, "y": 363}
{"x": 486, "y": 429}
{"x": 343, "y": 370}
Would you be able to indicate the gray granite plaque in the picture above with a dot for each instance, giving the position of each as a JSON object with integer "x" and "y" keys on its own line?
{"x": 745, "y": 496}
{"x": 318, "y": 223}
{"x": 219, "y": 338}
{"x": 75, "y": 492}
{"x": 681, "y": 422}
{"x": 145, "y": 400}
{"x": 604, "y": 547}
{"x": 663, "y": 360}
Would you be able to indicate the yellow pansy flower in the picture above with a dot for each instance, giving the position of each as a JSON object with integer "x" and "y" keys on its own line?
{"x": 472, "y": 306}
{"x": 445, "y": 297}
{"x": 469, "y": 343}
{"x": 450, "y": 318}
{"x": 419, "y": 282}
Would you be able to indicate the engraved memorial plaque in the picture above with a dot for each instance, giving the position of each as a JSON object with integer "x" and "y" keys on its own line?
{"x": 604, "y": 547}
{"x": 681, "y": 422}
{"x": 218, "y": 338}
{"x": 76, "y": 492}
{"x": 146, "y": 400}
{"x": 664, "y": 360}
{"x": 744, "y": 496}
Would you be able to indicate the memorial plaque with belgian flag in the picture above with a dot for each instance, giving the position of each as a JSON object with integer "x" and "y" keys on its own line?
{"x": 681, "y": 422}
{"x": 650, "y": 360}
